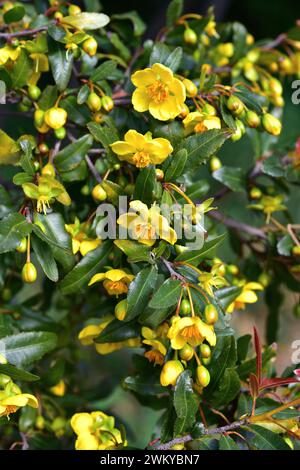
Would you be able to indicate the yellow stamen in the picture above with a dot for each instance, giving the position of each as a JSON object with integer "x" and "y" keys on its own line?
{"x": 154, "y": 356}
{"x": 158, "y": 91}
{"x": 141, "y": 159}
{"x": 191, "y": 332}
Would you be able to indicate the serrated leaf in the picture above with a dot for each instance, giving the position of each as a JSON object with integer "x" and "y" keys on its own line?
{"x": 232, "y": 177}
{"x": 104, "y": 134}
{"x": 86, "y": 21}
{"x": 227, "y": 390}
{"x": 45, "y": 258}
{"x": 202, "y": 146}
{"x": 139, "y": 292}
{"x": 89, "y": 265}
{"x": 167, "y": 295}
{"x": 72, "y": 155}
{"x": 13, "y": 228}
{"x": 24, "y": 348}
{"x": 223, "y": 357}
{"x": 61, "y": 63}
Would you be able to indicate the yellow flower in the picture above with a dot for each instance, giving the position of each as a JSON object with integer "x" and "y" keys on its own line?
{"x": 211, "y": 279}
{"x": 11, "y": 399}
{"x": 80, "y": 240}
{"x": 247, "y": 296}
{"x": 115, "y": 281}
{"x": 146, "y": 225}
{"x": 191, "y": 330}
{"x": 170, "y": 373}
{"x": 95, "y": 431}
{"x": 200, "y": 122}
{"x": 47, "y": 190}
{"x": 90, "y": 332}
{"x": 59, "y": 389}
{"x": 141, "y": 150}
{"x": 8, "y": 52}
{"x": 159, "y": 92}
{"x": 158, "y": 350}
{"x": 269, "y": 204}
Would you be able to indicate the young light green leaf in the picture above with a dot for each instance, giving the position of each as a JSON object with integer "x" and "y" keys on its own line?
{"x": 86, "y": 21}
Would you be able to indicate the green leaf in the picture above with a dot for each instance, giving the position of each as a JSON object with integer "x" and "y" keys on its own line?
{"x": 55, "y": 235}
{"x": 185, "y": 403}
{"x": 72, "y": 155}
{"x": 145, "y": 185}
{"x": 83, "y": 94}
{"x": 232, "y": 177}
{"x": 173, "y": 131}
{"x": 13, "y": 228}
{"x": 243, "y": 344}
{"x": 17, "y": 374}
{"x": 251, "y": 100}
{"x": 273, "y": 166}
{"x": 9, "y": 150}
{"x": 48, "y": 97}
{"x": 227, "y": 443}
{"x": 26, "y": 160}
{"x": 139, "y": 26}
{"x": 176, "y": 165}
{"x": 227, "y": 390}
{"x": 167, "y": 295}
{"x": 153, "y": 317}
{"x": 202, "y": 146}
{"x": 135, "y": 251}
{"x": 86, "y": 21}
{"x": 162, "y": 54}
{"x": 79, "y": 115}
{"x": 113, "y": 191}
{"x": 89, "y": 265}
{"x": 227, "y": 295}
{"x": 22, "y": 70}
{"x": 45, "y": 258}
{"x": 264, "y": 439}
{"x": 174, "y": 12}
{"x": 14, "y": 15}
{"x": 60, "y": 62}
{"x": 207, "y": 251}
{"x": 104, "y": 134}
{"x": 139, "y": 291}
{"x": 239, "y": 40}
{"x": 226, "y": 114}
{"x": 105, "y": 71}
{"x": 143, "y": 385}
{"x": 78, "y": 173}
{"x": 123, "y": 51}
{"x": 285, "y": 245}
{"x": 117, "y": 331}
{"x": 22, "y": 349}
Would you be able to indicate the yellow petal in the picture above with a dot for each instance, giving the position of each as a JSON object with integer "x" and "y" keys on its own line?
{"x": 82, "y": 422}
{"x": 115, "y": 274}
{"x": 178, "y": 89}
{"x": 135, "y": 139}
{"x": 140, "y": 207}
{"x": 122, "y": 148}
{"x": 206, "y": 331}
{"x": 96, "y": 278}
{"x": 89, "y": 245}
{"x": 108, "y": 348}
{"x": 253, "y": 286}
{"x": 143, "y": 78}
{"x": 163, "y": 73}
{"x": 178, "y": 342}
{"x": 248, "y": 297}
{"x": 140, "y": 100}
{"x": 86, "y": 441}
{"x": 88, "y": 333}
{"x": 75, "y": 245}
{"x": 126, "y": 219}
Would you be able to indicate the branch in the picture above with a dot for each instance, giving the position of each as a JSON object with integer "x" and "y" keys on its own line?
{"x": 93, "y": 169}
{"x": 239, "y": 226}
{"x": 207, "y": 432}
{"x": 25, "y": 32}
{"x": 169, "y": 267}
{"x": 273, "y": 44}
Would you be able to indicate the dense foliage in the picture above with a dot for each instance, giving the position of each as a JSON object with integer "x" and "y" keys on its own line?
{"x": 105, "y": 132}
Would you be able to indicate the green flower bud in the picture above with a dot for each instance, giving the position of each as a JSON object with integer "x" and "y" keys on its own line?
{"x": 271, "y": 124}
{"x": 189, "y": 36}
{"x": 202, "y": 376}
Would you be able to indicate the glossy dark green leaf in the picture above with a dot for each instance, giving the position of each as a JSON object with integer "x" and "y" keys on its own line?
{"x": 227, "y": 443}
{"x": 17, "y": 374}
{"x": 105, "y": 71}
{"x": 83, "y": 94}
{"x": 22, "y": 70}
{"x": 138, "y": 24}
{"x": 143, "y": 385}
{"x": 273, "y": 166}
{"x": 249, "y": 366}
{"x": 167, "y": 295}
{"x": 61, "y": 63}
{"x": 89, "y": 265}
{"x": 173, "y": 131}
{"x": 24, "y": 348}
{"x": 202, "y": 146}
{"x": 103, "y": 134}
{"x": 13, "y": 228}
{"x": 79, "y": 115}
{"x": 162, "y": 54}
{"x": 232, "y": 177}
{"x": 117, "y": 331}
{"x": 227, "y": 295}
{"x": 145, "y": 185}
{"x": 139, "y": 291}
{"x": 263, "y": 439}
{"x": 135, "y": 251}
{"x": 15, "y": 14}
{"x": 226, "y": 114}
{"x": 153, "y": 317}
{"x": 207, "y": 251}
{"x": 174, "y": 11}
{"x": 185, "y": 402}
{"x": 45, "y": 258}
{"x": 48, "y": 97}
{"x": 72, "y": 155}
{"x": 55, "y": 235}
{"x": 243, "y": 343}
{"x": 227, "y": 389}
{"x": 176, "y": 165}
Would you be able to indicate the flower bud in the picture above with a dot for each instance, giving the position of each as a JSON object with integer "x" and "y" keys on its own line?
{"x": 4, "y": 379}
{"x": 34, "y": 92}
{"x": 60, "y": 133}
{"x": 189, "y": 36}
{"x": 56, "y": 117}
{"x": 271, "y": 124}
{"x": 211, "y": 314}
{"x": 22, "y": 247}
{"x": 186, "y": 353}
{"x": 209, "y": 109}
{"x": 94, "y": 102}
{"x": 240, "y": 129}
{"x": 40, "y": 422}
{"x": 202, "y": 376}
{"x": 184, "y": 111}
{"x": 215, "y": 164}
{"x": 107, "y": 103}
{"x": 159, "y": 174}
{"x": 252, "y": 119}
{"x": 38, "y": 117}
{"x": 48, "y": 170}
{"x": 296, "y": 250}
{"x": 90, "y": 46}
{"x": 121, "y": 310}
{"x": 185, "y": 307}
{"x": 170, "y": 373}
{"x": 29, "y": 273}
{"x": 191, "y": 88}
{"x": 205, "y": 350}
{"x": 98, "y": 193}
{"x": 233, "y": 269}
{"x": 206, "y": 360}
{"x": 43, "y": 148}
{"x": 74, "y": 10}
{"x": 296, "y": 311}
{"x": 235, "y": 105}
{"x": 264, "y": 279}
{"x": 275, "y": 86}
{"x": 255, "y": 193}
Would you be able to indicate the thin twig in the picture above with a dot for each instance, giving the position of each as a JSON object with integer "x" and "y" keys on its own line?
{"x": 93, "y": 169}
{"x": 25, "y": 32}
{"x": 239, "y": 226}
{"x": 169, "y": 267}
